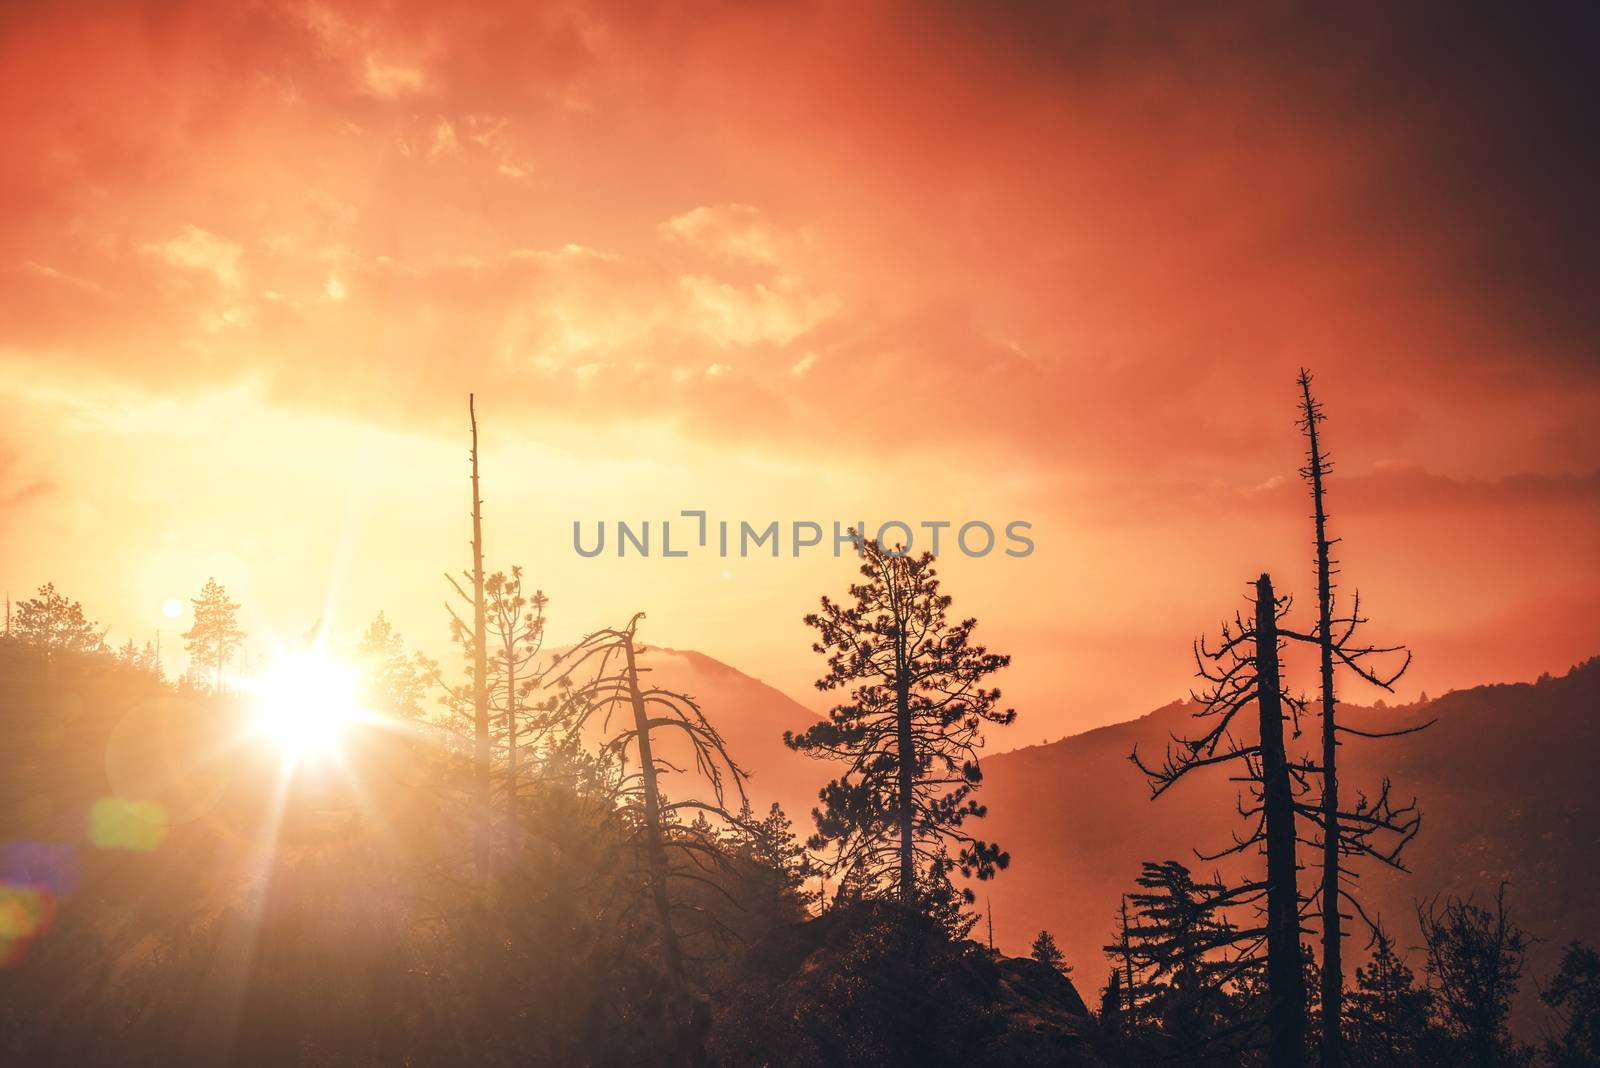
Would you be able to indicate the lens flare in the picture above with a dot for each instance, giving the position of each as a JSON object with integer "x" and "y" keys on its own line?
{"x": 118, "y": 823}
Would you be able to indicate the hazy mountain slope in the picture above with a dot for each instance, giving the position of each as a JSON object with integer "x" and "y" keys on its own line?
{"x": 1505, "y": 778}
{"x": 751, "y": 716}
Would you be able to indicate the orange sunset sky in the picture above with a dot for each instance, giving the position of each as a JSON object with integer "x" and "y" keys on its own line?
{"x": 806, "y": 261}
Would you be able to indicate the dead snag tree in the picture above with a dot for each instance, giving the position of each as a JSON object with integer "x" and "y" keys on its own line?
{"x": 1243, "y": 670}
{"x": 1374, "y": 827}
{"x": 909, "y": 732}
{"x": 477, "y": 645}
{"x": 502, "y": 678}
{"x": 600, "y": 679}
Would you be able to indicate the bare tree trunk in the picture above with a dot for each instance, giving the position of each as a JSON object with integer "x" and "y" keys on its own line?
{"x": 1332, "y": 962}
{"x": 907, "y": 747}
{"x": 480, "y": 672}
{"x": 1285, "y": 980}
{"x": 656, "y": 853}
{"x": 511, "y": 727}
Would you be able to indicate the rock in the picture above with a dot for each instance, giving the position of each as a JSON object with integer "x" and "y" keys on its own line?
{"x": 878, "y": 984}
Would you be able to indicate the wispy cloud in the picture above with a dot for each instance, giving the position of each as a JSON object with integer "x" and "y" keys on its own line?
{"x": 194, "y": 249}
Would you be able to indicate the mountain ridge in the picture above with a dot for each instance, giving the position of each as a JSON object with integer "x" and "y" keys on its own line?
{"x": 1501, "y": 777}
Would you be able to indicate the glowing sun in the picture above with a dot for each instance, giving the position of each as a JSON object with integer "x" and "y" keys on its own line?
{"x": 305, "y": 702}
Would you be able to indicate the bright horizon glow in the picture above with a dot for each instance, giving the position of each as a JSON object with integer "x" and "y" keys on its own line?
{"x": 305, "y": 702}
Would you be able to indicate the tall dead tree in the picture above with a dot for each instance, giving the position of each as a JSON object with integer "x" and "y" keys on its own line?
{"x": 1285, "y": 980}
{"x": 1374, "y": 827}
{"x": 1243, "y": 670}
{"x": 480, "y": 665}
{"x": 474, "y": 640}
{"x": 1332, "y": 966}
{"x": 500, "y": 679}
{"x": 600, "y": 678}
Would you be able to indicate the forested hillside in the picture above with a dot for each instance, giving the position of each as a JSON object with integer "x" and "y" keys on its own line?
{"x": 1504, "y": 779}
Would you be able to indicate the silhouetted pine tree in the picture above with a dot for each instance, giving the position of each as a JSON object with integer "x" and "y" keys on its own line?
{"x": 215, "y": 634}
{"x": 516, "y": 636}
{"x": 778, "y": 864}
{"x": 1045, "y": 951}
{"x": 1243, "y": 671}
{"x": 1123, "y": 949}
{"x": 395, "y": 682}
{"x": 1184, "y": 955}
{"x": 1475, "y": 962}
{"x": 1387, "y": 1016}
{"x": 1574, "y": 997}
{"x": 1112, "y": 1019}
{"x": 54, "y": 624}
{"x": 141, "y": 659}
{"x": 909, "y": 732}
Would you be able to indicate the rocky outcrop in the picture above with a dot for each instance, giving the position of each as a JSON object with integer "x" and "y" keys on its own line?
{"x": 877, "y": 984}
